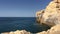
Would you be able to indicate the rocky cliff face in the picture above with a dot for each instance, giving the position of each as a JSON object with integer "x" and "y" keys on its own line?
{"x": 51, "y": 15}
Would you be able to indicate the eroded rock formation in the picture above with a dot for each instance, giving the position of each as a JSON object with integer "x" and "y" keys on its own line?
{"x": 17, "y": 32}
{"x": 54, "y": 30}
{"x": 39, "y": 15}
{"x": 51, "y": 15}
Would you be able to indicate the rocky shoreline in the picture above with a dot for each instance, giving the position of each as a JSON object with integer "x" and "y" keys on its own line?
{"x": 49, "y": 16}
{"x": 17, "y": 32}
{"x": 54, "y": 30}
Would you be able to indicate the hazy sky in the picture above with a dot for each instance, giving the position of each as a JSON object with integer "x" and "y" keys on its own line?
{"x": 21, "y": 8}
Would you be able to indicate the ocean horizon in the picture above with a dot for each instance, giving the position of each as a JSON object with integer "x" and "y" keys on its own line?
{"x": 8, "y": 24}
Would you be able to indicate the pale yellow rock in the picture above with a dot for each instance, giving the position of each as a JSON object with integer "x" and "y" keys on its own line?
{"x": 51, "y": 15}
{"x": 56, "y": 27}
{"x": 54, "y": 30}
{"x": 17, "y": 32}
{"x": 39, "y": 15}
{"x": 56, "y": 0}
{"x": 44, "y": 32}
{"x": 11, "y": 32}
{"x": 5, "y": 33}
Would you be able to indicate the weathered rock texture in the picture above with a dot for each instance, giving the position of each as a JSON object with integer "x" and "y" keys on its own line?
{"x": 51, "y": 15}
{"x": 17, "y": 32}
{"x": 54, "y": 30}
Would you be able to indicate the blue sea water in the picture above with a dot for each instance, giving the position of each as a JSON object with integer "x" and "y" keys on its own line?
{"x": 20, "y": 23}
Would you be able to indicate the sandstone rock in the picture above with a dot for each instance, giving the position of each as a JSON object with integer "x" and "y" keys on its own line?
{"x": 17, "y": 32}
{"x": 44, "y": 32}
{"x": 5, "y": 33}
{"x": 39, "y": 15}
{"x": 51, "y": 15}
{"x": 54, "y": 30}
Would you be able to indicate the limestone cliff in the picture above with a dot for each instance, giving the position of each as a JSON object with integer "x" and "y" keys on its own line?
{"x": 51, "y": 15}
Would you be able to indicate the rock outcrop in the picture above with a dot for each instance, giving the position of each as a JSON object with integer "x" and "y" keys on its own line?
{"x": 39, "y": 15}
{"x": 51, "y": 14}
{"x": 17, "y": 32}
{"x": 54, "y": 30}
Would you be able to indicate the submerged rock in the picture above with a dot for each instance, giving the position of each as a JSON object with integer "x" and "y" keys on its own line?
{"x": 51, "y": 14}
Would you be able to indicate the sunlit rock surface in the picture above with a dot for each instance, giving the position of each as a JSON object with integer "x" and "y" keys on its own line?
{"x": 51, "y": 14}
{"x": 17, "y": 32}
{"x": 54, "y": 30}
{"x": 39, "y": 15}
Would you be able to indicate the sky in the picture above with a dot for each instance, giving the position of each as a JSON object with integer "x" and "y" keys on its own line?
{"x": 21, "y": 8}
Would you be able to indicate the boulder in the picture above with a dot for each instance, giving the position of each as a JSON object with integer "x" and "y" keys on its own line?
{"x": 17, "y": 32}
{"x": 51, "y": 15}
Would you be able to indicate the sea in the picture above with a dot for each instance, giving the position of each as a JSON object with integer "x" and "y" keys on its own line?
{"x": 30, "y": 24}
